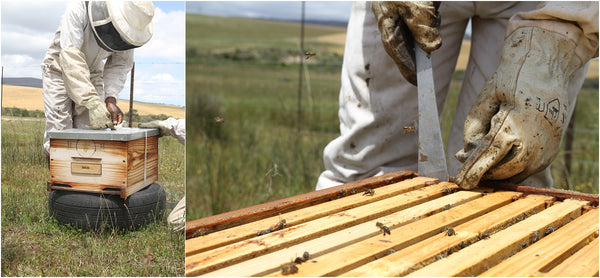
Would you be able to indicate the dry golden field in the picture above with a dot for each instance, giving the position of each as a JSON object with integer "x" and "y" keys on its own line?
{"x": 463, "y": 58}
{"x": 31, "y": 99}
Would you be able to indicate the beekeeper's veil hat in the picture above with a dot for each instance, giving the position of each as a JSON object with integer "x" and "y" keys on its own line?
{"x": 121, "y": 25}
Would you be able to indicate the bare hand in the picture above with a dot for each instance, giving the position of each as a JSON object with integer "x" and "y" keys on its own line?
{"x": 116, "y": 114}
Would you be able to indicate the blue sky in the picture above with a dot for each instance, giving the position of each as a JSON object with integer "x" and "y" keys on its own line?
{"x": 28, "y": 27}
{"x": 288, "y": 10}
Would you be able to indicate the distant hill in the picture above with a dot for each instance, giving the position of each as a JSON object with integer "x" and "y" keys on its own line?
{"x": 317, "y": 22}
{"x": 23, "y": 81}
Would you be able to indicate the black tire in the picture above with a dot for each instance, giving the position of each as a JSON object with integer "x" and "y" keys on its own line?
{"x": 90, "y": 211}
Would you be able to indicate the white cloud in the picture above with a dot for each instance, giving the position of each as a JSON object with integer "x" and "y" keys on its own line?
{"x": 28, "y": 27}
{"x": 168, "y": 39}
{"x": 27, "y": 30}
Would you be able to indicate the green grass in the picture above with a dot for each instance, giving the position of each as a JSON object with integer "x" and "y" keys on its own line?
{"x": 35, "y": 244}
{"x": 257, "y": 155}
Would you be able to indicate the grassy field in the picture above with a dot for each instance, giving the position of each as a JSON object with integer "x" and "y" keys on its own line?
{"x": 245, "y": 72}
{"x": 35, "y": 244}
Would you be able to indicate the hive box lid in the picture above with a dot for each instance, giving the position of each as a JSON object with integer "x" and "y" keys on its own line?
{"x": 121, "y": 134}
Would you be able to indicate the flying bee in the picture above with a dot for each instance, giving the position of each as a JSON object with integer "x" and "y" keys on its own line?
{"x": 309, "y": 54}
{"x": 369, "y": 192}
{"x": 409, "y": 129}
{"x": 383, "y": 228}
{"x": 219, "y": 120}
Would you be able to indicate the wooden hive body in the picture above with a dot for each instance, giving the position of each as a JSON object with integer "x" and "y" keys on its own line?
{"x": 103, "y": 161}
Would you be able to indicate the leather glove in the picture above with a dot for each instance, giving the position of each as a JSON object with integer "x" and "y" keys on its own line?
{"x": 99, "y": 115}
{"x": 513, "y": 129}
{"x": 116, "y": 115}
{"x": 400, "y": 23}
{"x": 163, "y": 126}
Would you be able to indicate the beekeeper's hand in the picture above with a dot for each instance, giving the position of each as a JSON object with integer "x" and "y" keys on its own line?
{"x": 400, "y": 24}
{"x": 116, "y": 115}
{"x": 163, "y": 126}
{"x": 514, "y": 127}
{"x": 99, "y": 115}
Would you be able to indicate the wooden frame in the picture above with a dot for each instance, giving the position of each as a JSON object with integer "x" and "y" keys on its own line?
{"x": 434, "y": 230}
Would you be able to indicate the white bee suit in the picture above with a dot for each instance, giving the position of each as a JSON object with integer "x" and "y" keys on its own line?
{"x": 95, "y": 74}
{"x": 378, "y": 107}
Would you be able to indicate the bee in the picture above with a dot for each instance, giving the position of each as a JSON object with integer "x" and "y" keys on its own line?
{"x": 289, "y": 268}
{"x": 219, "y": 120}
{"x": 535, "y": 237}
{"x": 200, "y": 232}
{"x": 341, "y": 193}
{"x": 449, "y": 190}
{"x": 484, "y": 235}
{"x": 369, "y": 192}
{"x": 383, "y": 228}
{"x": 304, "y": 258}
{"x": 409, "y": 129}
{"x": 353, "y": 191}
{"x": 278, "y": 226}
{"x": 264, "y": 232}
{"x": 450, "y": 231}
{"x": 549, "y": 230}
{"x": 308, "y": 54}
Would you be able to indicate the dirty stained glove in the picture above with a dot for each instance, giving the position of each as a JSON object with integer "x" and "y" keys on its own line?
{"x": 99, "y": 115}
{"x": 400, "y": 24}
{"x": 116, "y": 115}
{"x": 513, "y": 129}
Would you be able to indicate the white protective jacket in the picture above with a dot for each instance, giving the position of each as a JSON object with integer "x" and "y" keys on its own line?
{"x": 91, "y": 73}
{"x": 377, "y": 104}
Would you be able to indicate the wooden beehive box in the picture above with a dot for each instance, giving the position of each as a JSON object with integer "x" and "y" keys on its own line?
{"x": 435, "y": 229}
{"x": 119, "y": 162}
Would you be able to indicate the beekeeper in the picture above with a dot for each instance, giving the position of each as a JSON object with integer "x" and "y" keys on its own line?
{"x": 175, "y": 128}
{"x": 526, "y": 65}
{"x": 87, "y": 62}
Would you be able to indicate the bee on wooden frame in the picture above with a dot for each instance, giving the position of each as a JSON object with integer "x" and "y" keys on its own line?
{"x": 369, "y": 192}
{"x": 289, "y": 268}
{"x": 278, "y": 226}
{"x": 383, "y": 228}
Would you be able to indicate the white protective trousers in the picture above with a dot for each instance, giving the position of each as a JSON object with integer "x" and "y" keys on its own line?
{"x": 378, "y": 106}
